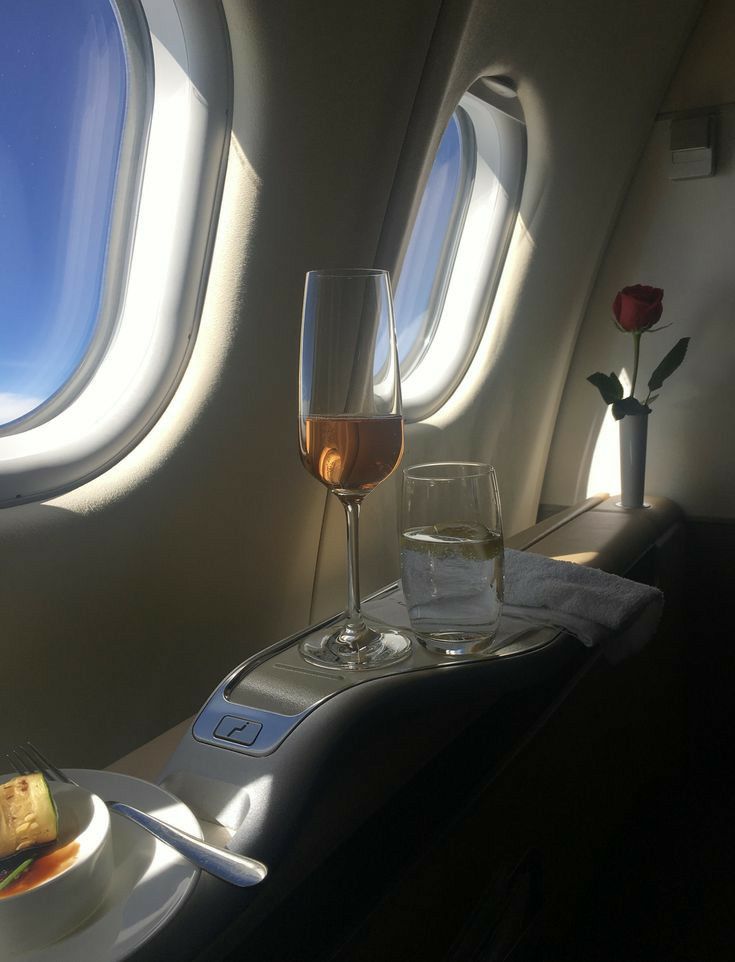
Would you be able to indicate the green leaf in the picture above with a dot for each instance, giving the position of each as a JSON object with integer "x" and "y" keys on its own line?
{"x": 651, "y": 399}
{"x": 608, "y": 385}
{"x": 669, "y": 364}
{"x": 629, "y": 405}
{"x": 16, "y": 873}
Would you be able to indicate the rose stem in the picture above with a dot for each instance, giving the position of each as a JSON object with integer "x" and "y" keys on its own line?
{"x": 636, "y": 353}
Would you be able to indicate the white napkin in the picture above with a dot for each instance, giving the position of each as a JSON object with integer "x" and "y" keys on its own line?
{"x": 594, "y": 606}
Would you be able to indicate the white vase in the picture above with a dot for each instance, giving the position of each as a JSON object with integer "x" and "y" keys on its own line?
{"x": 633, "y": 435}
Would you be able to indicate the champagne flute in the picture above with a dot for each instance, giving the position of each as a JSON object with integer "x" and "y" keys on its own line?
{"x": 350, "y": 431}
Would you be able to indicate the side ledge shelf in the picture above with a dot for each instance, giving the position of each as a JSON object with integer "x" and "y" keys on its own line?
{"x": 596, "y": 532}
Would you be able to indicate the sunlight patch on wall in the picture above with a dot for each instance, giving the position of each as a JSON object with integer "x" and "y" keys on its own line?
{"x": 604, "y": 472}
{"x": 579, "y": 557}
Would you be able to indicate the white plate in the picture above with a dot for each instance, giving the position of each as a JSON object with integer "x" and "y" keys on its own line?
{"x": 149, "y": 883}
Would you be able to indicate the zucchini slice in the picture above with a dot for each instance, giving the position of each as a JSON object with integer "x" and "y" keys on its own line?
{"x": 28, "y": 814}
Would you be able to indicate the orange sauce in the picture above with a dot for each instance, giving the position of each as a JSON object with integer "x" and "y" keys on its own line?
{"x": 44, "y": 868}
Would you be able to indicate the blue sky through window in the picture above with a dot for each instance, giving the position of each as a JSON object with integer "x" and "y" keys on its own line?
{"x": 413, "y": 294}
{"x": 63, "y": 82}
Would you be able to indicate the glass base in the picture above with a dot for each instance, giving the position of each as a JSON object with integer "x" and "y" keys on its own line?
{"x": 457, "y": 642}
{"x": 377, "y": 648}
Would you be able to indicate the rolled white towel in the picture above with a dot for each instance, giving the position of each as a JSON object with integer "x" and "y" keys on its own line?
{"x": 593, "y": 605}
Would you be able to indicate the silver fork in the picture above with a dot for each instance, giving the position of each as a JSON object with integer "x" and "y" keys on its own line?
{"x": 229, "y": 866}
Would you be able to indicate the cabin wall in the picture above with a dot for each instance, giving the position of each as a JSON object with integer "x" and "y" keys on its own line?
{"x": 678, "y": 235}
{"x": 587, "y": 123}
{"x": 126, "y": 600}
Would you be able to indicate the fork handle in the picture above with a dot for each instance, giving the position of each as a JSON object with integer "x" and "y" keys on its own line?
{"x": 226, "y": 865}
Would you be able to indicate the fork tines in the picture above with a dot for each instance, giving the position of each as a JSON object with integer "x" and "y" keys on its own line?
{"x": 18, "y": 763}
{"x": 27, "y": 758}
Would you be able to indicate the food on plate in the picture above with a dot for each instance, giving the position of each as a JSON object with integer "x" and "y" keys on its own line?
{"x": 49, "y": 888}
{"x": 10, "y": 877}
{"x": 34, "y": 870}
{"x": 29, "y": 821}
{"x": 28, "y": 815}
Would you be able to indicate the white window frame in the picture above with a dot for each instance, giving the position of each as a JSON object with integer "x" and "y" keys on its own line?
{"x": 479, "y": 255}
{"x": 142, "y": 357}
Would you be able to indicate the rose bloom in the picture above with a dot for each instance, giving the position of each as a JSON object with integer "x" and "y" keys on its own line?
{"x": 638, "y": 308}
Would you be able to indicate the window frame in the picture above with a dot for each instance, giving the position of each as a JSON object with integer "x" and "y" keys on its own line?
{"x": 478, "y": 253}
{"x": 164, "y": 214}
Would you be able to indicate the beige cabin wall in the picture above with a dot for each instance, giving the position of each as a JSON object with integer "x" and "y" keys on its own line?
{"x": 590, "y": 78}
{"x": 678, "y": 235}
{"x": 126, "y": 600}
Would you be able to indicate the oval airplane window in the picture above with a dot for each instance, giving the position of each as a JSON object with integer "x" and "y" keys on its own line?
{"x": 62, "y": 110}
{"x": 457, "y": 248}
{"x": 101, "y": 325}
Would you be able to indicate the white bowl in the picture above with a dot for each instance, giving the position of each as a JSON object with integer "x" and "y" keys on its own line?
{"x": 59, "y": 904}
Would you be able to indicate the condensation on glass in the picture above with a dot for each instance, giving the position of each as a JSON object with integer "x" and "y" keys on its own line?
{"x": 63, "y": 105}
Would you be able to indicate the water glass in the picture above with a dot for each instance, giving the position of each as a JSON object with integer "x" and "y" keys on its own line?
{"x": 452, "y": 555}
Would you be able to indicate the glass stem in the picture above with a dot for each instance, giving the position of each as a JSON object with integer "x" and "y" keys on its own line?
{"x": 356, "y": 631}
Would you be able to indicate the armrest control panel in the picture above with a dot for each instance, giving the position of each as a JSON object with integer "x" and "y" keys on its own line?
{"x": 263, "y": 700}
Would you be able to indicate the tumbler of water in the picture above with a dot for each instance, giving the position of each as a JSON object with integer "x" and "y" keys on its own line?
{"x": 452, "y": 555}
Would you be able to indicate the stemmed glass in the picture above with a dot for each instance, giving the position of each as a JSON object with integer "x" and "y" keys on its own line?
{"x": 350, "y": 431}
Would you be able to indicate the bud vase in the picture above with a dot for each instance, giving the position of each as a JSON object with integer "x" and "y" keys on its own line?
{"x": 633, "y": 436}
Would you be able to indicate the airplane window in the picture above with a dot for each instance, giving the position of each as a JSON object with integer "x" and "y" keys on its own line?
{"x": 446, "y": 284}
{"x": 62, "y": 109}
{"x": 115, "y": 128}
{"x": 425, "y": 271}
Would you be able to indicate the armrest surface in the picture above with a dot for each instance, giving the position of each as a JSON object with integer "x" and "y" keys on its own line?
{"x": 596, "y": 532}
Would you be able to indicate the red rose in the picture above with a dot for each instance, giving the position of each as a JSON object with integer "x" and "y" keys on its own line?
{"x": 638, "y": 308}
